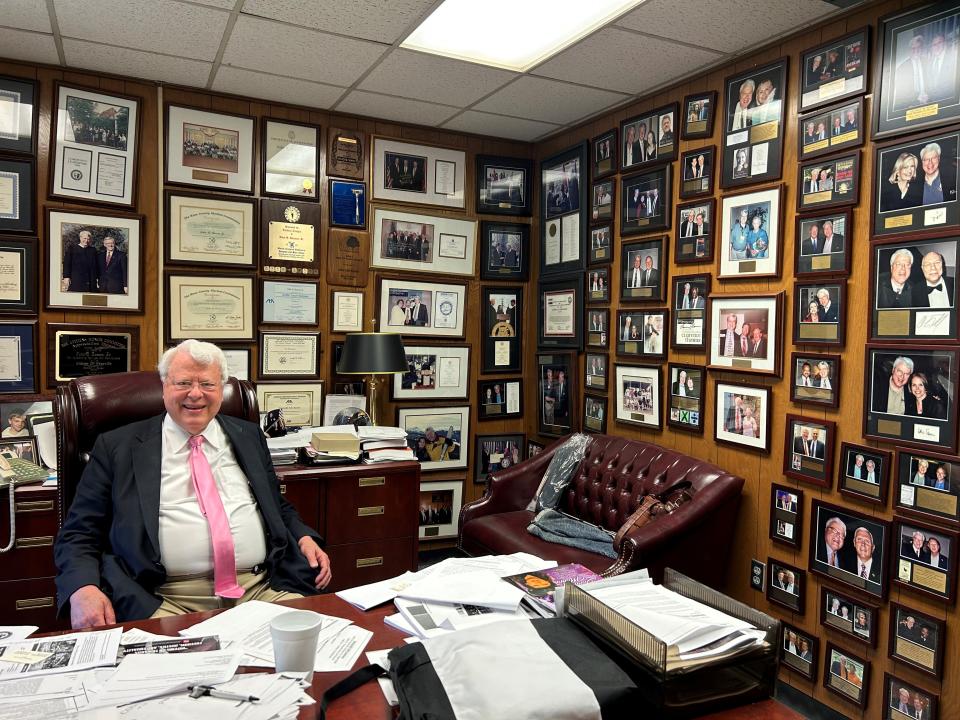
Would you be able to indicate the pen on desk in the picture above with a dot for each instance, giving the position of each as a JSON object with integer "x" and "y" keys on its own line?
{"x": 201, "y": 690}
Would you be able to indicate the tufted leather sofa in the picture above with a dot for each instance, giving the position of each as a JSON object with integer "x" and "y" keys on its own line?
{"x": 605, "y": 490}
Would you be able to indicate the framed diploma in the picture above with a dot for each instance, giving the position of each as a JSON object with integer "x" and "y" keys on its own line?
{"x": 346, "y": 155}
{"x": 423, "y": 243}
{"x": 502, "y": 328}
{"x": 560, "y": 317}
{"x": 292, "y": 356}
{"x": 348, "y": 204}
{"x": 290, "y": 159}
{"x": 18, "y": 357}
{"x": 289, "y": 238}
{"x": 77, "y": 350}
{"x": 434, "y": 372}
{"x": 418, "y": 174}
{"x": 286, "y": 302}
{"x": 209, "y": 307}
{"x": 301, "y": 402}
{"x": 17, "y": 201}
{"x": 410, "y": 306}
{"x": 94, "y": 146}
{"x": 347, "y": 312}
{"x": 94, "y": 261}
{"x": 18, "y": 276}
{"x": 207, "y": 230}
{"x": 208, "y": 149}
{"x": 239, "y": 360}
{"x": 18, "y": 115}
{"x": 504, "y": 185}
{"x": 348, "y": 257}
{"x": 437, "y": 435}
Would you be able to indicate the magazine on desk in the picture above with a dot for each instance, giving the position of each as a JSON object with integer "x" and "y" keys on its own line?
{"x": 541, "y": 586}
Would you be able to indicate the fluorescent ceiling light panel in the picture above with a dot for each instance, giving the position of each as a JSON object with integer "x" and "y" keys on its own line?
{"x": 511, "y": 34}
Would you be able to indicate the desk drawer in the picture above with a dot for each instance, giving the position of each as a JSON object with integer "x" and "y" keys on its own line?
{"x": 362, "y": 563}
{"x": 371, "y": 506}
{"x": 36, "y": 529}
{"x": 30, "y": 602}
{"x": 304, "y": 495}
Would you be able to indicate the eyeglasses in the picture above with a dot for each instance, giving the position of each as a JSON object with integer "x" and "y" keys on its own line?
{"x": 187, "y": 385}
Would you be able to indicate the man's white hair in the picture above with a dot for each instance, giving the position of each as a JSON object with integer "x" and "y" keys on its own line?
{"x": 203, "y": 353}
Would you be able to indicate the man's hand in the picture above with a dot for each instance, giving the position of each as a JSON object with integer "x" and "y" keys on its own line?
{"x": 89, "y": 607}
{"x": 317, "y": 559}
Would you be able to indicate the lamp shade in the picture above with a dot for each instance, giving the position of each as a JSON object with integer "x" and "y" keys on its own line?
{"x": 372, "y": 353}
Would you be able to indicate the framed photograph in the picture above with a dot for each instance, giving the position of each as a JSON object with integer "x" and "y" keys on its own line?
{"x": 289, "y": 356}
{"x": 504, "y": 251}
{"x": 346, "y": 153}
{"x": 500, "y": 399}
{"x": 560, "y": 313}
{"x": 846, "y": 674}
{"x": 595, "y": 413}
{"x": 829, "y": 182}
{"x": 418, "y": 174}
{"x": 286, "y": 302}
{"x": 434, "y": 372}
{"x": 600, "y": 244}
{"x": 239, "y": 361}
{"x": 690, "y": 329}
{"x": 19, "y": 364}
{"x": 864, "y": 473}
{"x": 343, "y": 409}
{"x": 201, "y": 229}
{"x": 603, "y": 155}
{"x": 913, "y": 284}
{"x": 753, "y": 130}
{"x": 18, "y": 187}
{"x": 849, "y": 615}
{"x": 695, "y": 231}
{"x": 75, "y": 351}
{"x": 915, "y": 85}
{"x": 786, "y": 515}
{"x": 502, "y": 328}
{"x": 598, "y": 285}
{"x": 20, "y": 419}
{"x": 290, "y": 241}
{"x": 927, "y": 560}
{"x": 556, "y": 399}
{"x": 598, "y": 328}
{"x": 835, "y": 70}
{"x": 849, "y": 547}
{"x": 642, "y": 333}
{"x": 649, "y": 138}
{"x": 799, "y": 651}
{"x": 24, "y": 448}
{"x": 928, "y": 486}
{"x": 638, "y": 395}
{"x": 209, "y": 307}
{"x": 301, "y": 403}
{"x": 18, "y": 267}
{"x": 436, "y": 435}
{"x": 808, "y": 449}
{"x": 696, "y": 177}
{"x": 787, "y": 587}
{"x": 94, "y": 261}
{"x": 742, "y": 415}
{"x": 534, "y": 449}
{"x": 687, "y": 393}
{"x": 917, "y": 639}
{"x": 903, "y": 700}
{"x": 596, "y": 365}
{"x": 209, "y": 149}
{"x": 911, "y": 396}
{"x": 831, "y": 129}
{"x": 643, "y": 270}
{"x": 410, "y": 306}
{"x": 645, "y": 200}
{"x": 820, "y": 313}
{"x": 348, "y": 204}
{"x": 495, "y": 453}
{"x": 18, "y": 120}
{"x": 563, "y": 206}
{"x": 750, "y": 234}
{"x": 440, "y": 504}
{"x": 915, "y": 186}
{"x": 504, "y": 185}
{"x": 602, "y": 200}
{"x": 748, "y": 331}
{"x": 94, "y": 143}
{"x": 819, "y": 249}
{"x": 347, "y": 312}
{"x": 423, "y": 243}
{"x": 698, "y": 113}
{"x": 815, "y": 379}
{"x": 290, "y": 160}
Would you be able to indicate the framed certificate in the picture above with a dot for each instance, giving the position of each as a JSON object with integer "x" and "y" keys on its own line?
{"x": 301, "y": 402}
{"x": 285, "y": 302}
{"x": 18, "y": 357}
{"x": 207, "y": 230}
{"x": 434, "y": 372}
{"x": 209, "y": 149}
{"x": 18, "y": 276}
{"x": 17, "y": 201}
{"x": 292, "y": 356}
{"x": 347, "y": 312}
{"x": 418, "y": 174}
{"x": 94, "y": 146}
{"x": 77, "y": 350}
{"x": 290, "y": 159}
{"x": 18, "y": 115}
{"x": 560, "y": 316}
{"x": 423, "y": 243}
{"x": 410, "y": 306}
{"x": 348, "y": 204}
{"x": 290, "y": 238}
{"x": 209, "y": 307}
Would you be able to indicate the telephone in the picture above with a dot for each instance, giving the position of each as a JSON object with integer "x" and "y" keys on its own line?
{"x": 16, "y": 471}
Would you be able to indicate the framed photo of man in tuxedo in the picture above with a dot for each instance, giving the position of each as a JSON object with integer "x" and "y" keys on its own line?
{"x": 798, "y": 651}
{"x": 846, "y": 675}
{"x": 864, "y": 473}
{"x": 696, "y": 172}
{"x": 927, "y": 559}
{"x": 820, "y": 314}
{"x": 831, "y": 129}
{"x": 787, "y": 586}
{"x": 786, "y": 515}
{"x": 645, "y": 201}
{"x": 746, "y": 333}
{"x": 695, "y": 231}
{"x": 815, "y": 379}
{"x": 821, "y": 246}
{"x": 916, "y": 639}
{"x": 928, "y": 486}
{"x": 849, "y": 615}
{"x": 690, "y": 330}
{"x": 742, "y": 415}
{"x": 849, "y": 547}
{"x": 687, "y": 386}
{"x": 649, "y": 138}
{"x": 828, "y": 182}
{"x": 603, "y": 154}
{"x": 901, "y": 699}
{"x": 699, "y": 110}
{"x": 643, "y": 270}
{"x": 556, "y": 396}
{"x": 834, "y": 70}
{"x": 808, "y": 449}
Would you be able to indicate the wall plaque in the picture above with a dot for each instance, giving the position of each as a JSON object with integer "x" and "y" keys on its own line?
{"x": 77, "y": 350}
{"x": 345, "y": 153}
{"x": 348, "y": 257}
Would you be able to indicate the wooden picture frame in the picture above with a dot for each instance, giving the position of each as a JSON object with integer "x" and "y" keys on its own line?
{"x": 851, "y": 681}
{"x": 504, "y": 251}
{"x": 798, "y": 651}
{"x": 863, "y": 473}
{"x": 346, "y": 153}
{"x": 808, "y": 449}
{"x": 928, "y": 702}
{"x": 815, "y": 378}
{"x": 283, "y": 141}
{"x": 604, "y": 160}
{"x": 448, "y": 448}
{"x": 289, "y": 302}
{"x": 209, "y": 307}
{"x": 208, "y": 149}
{"x": 927, "y": 486}
{"x": 414, "y": 174}
{"x": 646, "y": 200}
{"x": 917, "y": 639}
{"x": 290, "y": 239}
{"x": 435, "y": 373}
{"x": 286, "y": 355}
{"x": 787, "y": 586}
{"x": 597, "y": 328}
{"x": 505, "y": 398}
{"x": 640, "y": 280}
{"x": 812, "y": 256}
{"x": 699, "y": 110}
{"x": 696, "y": 231}
{"x": 786, "y": 515}
{"x": 849, "y": 615}
{"x": 301, "y": 402}
{"x": 926, "y": 573}
{"x": 649, "y": 138}
{"x": 840, "y": 73}
{"x": 598, "y": 285}
{"x": 749, "y": 353}
{"x": 600, "y": 241}
{"x": 205, "y": 230}
{"x": 75, "y": 351}
{"x": 639, "y": 395}
{"x": 820, "y": 313}
{"x": 596, "y": 375}
{"x": 642, "y": 333}
{"x": 829, "y": 130}
{"x": 556, "y": 393}
{"x": 594, "y": 413}
{"x": 423, "y": 243}
{"x": 697, "y": 171}
{"x": 828, "y": 182}
{"x": 685, "y": 409}
{"x": 493, "y": 453}
{"x": 603, "y": 200}
{"x": 689, "y": 329}
{"x": 436, "y": 310}
{"x": 751, "y": 232}
{"x": 845, "y": 544}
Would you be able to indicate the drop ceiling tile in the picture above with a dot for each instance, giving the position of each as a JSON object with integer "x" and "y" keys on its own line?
{"x": 26, "y": 15}
{"x": 433, "y": 78}
{"x": 620, "y": 60}
{"x": 728, "y": 25}
{"x": 373, "y": 105}
{"x": 135, "y": 63}
{"x": 369, "y": 19}
{"x": 162, "y": 26}
{"x": 549, "y": 101}
{"x": 278, "y": 89}
{"x": 222, "y": 4}
{"x": 499, "y": 126}
{"x": 281, "y": 49}
{"x": 29, "y": 46}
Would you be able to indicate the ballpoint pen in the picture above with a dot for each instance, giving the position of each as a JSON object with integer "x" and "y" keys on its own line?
{"x": 197, "y": 691}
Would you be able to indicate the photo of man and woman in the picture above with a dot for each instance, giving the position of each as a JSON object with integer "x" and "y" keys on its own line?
{"x": 920, "y": 174}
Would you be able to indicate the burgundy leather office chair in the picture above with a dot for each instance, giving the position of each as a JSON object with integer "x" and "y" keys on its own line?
{"x": 91, "y": 405}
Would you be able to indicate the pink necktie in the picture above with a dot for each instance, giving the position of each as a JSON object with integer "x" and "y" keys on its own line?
{"x": 224, "y": 560}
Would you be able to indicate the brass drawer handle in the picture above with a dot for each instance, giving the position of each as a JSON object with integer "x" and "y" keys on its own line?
{"x": 34, "y": 542}
{"x": 29, "y": 506}
{"x": 372, "y": 481}
{"x": 34, "y": 603}
{"x": 368, "y": 511}
{"x": 370, "y": 561}
{"x": 283, "y": 488}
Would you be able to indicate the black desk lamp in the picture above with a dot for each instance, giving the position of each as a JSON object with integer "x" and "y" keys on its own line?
{"x": 372, "y": 354}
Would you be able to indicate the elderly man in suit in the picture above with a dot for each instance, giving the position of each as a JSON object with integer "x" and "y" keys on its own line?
{"x": 937, "y": 289}
{"x": 112, "y": 268}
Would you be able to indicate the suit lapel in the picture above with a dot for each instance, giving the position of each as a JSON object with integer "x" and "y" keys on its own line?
{"x": 146, "y": 471}
{"x": 245, "y": 450}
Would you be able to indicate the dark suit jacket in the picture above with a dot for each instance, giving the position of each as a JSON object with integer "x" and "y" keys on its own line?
{"x": 829, "y": 315}
{"x": 418, "y": 315}
{"x": 836, "y": 242}
{"x": 110, "y": 538}
{"x": 112, "y": 278}
{"x": 887, "y": 298}
{"x": 906, "y": 550}
{"x": 654, "y": 278}
{"x": 80, "y": 266}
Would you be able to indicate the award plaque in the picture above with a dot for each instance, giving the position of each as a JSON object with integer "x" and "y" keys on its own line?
{"x": 74, "y": 351}
{"x": 348, "y": 204}
{"x": 345, "y": 153}
{"x": 348, "y": 257}
{"x": 289, "y": 238}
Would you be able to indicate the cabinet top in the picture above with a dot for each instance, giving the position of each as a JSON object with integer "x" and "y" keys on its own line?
{"x": 291, "y": 472}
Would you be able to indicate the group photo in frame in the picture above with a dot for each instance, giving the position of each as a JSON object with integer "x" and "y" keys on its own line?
{"x": 649, "y": 137}
{"x": 798, "y": 651}
{"x": 864, "y": 473}
{"x": 18, "y": 209}
{"x": 20, "y": 264}
{"x": 821, "y": 248}
{"x": 504, "y": 251}
{"x": 787, "y": 586}
{"x": 596, "y": 377}
{"x": 742, "y": 415}
{"x": 437, "y": 435}
{"x": 556, "y": 393}
{"x": 595, "y": 413}
{"x": 638, "y": 392}
{"x": 828, "y": 182}
{"x": 903, "y": 699}
{"x": 598, "y": 328}
{"x": 504, "y": 185}
{"x": 209, "y": 149}
{"x": 301, "y": 402}
{"x": 415, "y": 174}
{"x": 598, "y": 285}
{"x": 75, "y": 350}
{"x": 347, "y": 200}
{"x": 831, "y": 129}
{"x": 19, "y": 373}
{"x": 835, "y": 70}
{"x": 502, "y": 328}
{"x": 563, "y": 205}
{"x": 603, "y": 195}
{"x": 500, "y": 398}
{"x": 927, "y": 559}
{"x": 645, "y": 201}
{"x": 846, "y": 674}
{"x": 289, "y": 302}
{"x": 497, "y": 452}
{"x": 688, "y": 385}
{"x": 808, "y": 449}
{"x": 643, "y": 270}
{"x": 603, "y": 154}
{"x": 849, "y": 547}
{"x": 439, "y": 513}
{"x": 747, "y": 333}
{"x": 917, "y": 639}
{"x": 560, "y": 312}
{"x": 434, "y": 372}
{"x": 928, "y": 485}
{"x": 423, "y": 243}
{"x": 750, "y": 234}
{"x": 848, "y": 615}
{"x": 815, "y": 378}
{"x": 699, "y": 111}
{"x": 786, "y": 515}
{"x": 697, "y": 171}
{"x": 600, "y": 244}
{"x": 695, "y": 230}
{"x": 689, "y": 330}
{"x": 290, "y": 160}
{"x": 410, "y": 306}
{"x": 820, "y": 314}
{"x": 18, "y": 130}
{"x": 202, "y": 229}
{"x": 642, "y": 333}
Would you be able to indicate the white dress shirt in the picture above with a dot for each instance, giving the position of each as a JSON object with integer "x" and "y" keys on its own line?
{"x": 937, "y": 298}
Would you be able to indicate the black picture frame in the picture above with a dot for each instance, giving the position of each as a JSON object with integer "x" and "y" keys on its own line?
{"x": 22, "y": 93}
{"x": 787, "y": 586}
{"x": 927, "y": 486}
{"x": 746, "y": 129}
{"x": 497, "y": 239}
{"x": 21, "y": 253}
{"x": 827, "y": 323}
{"x": 557, "y": 299}
{"x": 837, "y": 183}
{"x": 598, "y": 285}
{"x": 908, "y": 643}
{"x": 811, "y": 255}
{"x": 786, "y": 515}
{"x": 842, "y": 525}
{"x": 929, "y": 702}
{"x": 347, "y": 203}
{"x": 494, "y": 453}
{"x": 856, "y": 465}
{"x": 505, "y": 400}
{"x": 798, "y": 651}
{"x": 690, "y": 329}
{"x": 563, "y": 210}
{"x": 650, "y": 342}
{"x": 807, "y": 371}
{"x": 307, "y": 183}
{"x": 21, "y": 172}
{"x": 829, "y": 130}
{"x": 502, "y": 331}
{"x": 808, "y": 445}
{"x": 24, "y": 334}
{"x": 685, "y": 408}
{"x": 596, "y": 371}
{"x": 636, "y": 285}
{"x": 604, "y": 154}
{"x": 838, "y": 664}
{"x": 695, "y": 240}
{"x": 645, "y": 201}
{"x": 831, "y": 79}
{"x": 556, "y": 415}
{"x": 659, "y": 126}
{"x": 598, "y": 328}
{"x": 603, "y": 200}
{"x": 600, "y": 244}
{"x": 934, "y": 577}
{"x": 699, "y": 110}
{"x": 594, "y": 413}
{"x": 491, "y": 199}
{"x": 697, "y": 172}
{"x": 849, "y": 615}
